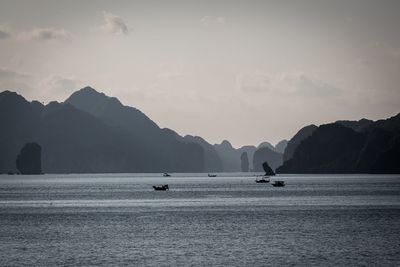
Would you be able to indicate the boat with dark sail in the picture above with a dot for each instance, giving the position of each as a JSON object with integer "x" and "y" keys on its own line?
{"x": 268, "y": 172}
{"x": 278, "y": 183}
{"x": 262, "y": 179}
{"x": 161, "y": 187}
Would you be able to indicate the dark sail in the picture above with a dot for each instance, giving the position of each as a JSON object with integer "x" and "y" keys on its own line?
{"x": 267, "y": 169}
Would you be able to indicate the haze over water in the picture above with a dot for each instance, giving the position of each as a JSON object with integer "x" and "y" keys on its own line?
{"x": 117, "y": 219}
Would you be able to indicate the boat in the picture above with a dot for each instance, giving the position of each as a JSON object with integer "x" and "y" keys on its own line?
{"x": 278, "y": 183}
{"x": 263, "y": 179}
{"x": 166, "y": 174}
{"x": 212, "y": 175}
{"x": 161, "y": 187}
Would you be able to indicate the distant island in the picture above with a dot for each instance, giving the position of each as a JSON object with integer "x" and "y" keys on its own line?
{"x": 93, "y": 133}
{"x": 29, "y": 159}
{"x": 362, "y": 146}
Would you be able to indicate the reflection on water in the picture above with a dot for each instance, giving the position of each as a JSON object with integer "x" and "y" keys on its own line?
{"x": 117, "y": 219}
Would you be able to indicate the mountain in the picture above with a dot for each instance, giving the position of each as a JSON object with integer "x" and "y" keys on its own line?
{"x": 281, "y": 146}
{"x": 29, "y": 160}
{"x": 91, "y": 132}
{"x": 330, "y": 149}
{"x": 231, "y": 157}
{"x": 18, "y": 120}
{"x": 212, "y": 161}
{"x": 112, "y": 112}
{"x": 268, "y": 153}
{"x": 244, "y": 162}
{"x": 249, "y": 150}
{"x": 153, "y": 140}
{"x": 302, "y": 134}
{"x": 265, "y": 154}
{"x": 357, "y": 126}
{"x": 266, "y": 144}
{"x": 367, "y": 147}
{"x": 381, "y": 150}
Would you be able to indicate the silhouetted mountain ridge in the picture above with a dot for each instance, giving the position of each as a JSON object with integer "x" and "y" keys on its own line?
{"x": 212, "y": 161}
{"x": 349, "y": 147}
{"x": 281, "y": 146}
{"x": 357, "y": 126}
{"x": 92, "y": 132}
{"x": 103, "y": 136}
{"x": 302, "y": 134}
{"x": 111, "y": 110}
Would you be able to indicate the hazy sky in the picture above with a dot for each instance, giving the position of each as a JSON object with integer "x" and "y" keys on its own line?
{"x": 246, "y": 71}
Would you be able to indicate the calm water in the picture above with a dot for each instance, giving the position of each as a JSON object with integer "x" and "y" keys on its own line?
{"x": 117, "y": 219}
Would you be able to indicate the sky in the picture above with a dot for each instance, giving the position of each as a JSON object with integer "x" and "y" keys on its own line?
{"x": 245, "y": 71}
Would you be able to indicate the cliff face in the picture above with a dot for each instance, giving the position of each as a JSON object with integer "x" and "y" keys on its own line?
{"x": 29, "y": 160}
{"x": 244, "y": 162}
{"x": 281, "y": 146}
{"x": 296, "y": 140}
{"x": 369, "y": 147}
{"x": 230, "y": 157}
{"x": 212, "y": 161}
{"x": 19, "y": 123}
{"x": 330, "y": 149}
{"x": 358, "y": 126}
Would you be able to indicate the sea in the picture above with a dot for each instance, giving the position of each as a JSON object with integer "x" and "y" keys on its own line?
{"x": 228, "y": 220}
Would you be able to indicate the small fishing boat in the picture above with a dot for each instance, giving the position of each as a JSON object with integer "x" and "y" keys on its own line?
{"x": 161, "y": 187}
{"x": 166, "y": 174}
{"x": 263, "y": 179}
{"x": 278, "y": 183}
{"x": 212, "y": 175}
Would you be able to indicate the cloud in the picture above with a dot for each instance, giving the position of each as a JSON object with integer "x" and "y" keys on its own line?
{"x": 114, "y": 24}
{"x": 15, "y": 81}
{"x": 10, "y": 75}
{"x": 38, "y": 34}
{"x": 253, "y": 82}
{"x": 5, "y": 73}
{"x": 46, "y": 34}
{"x": 5, "y": 32}
{"x": 59, "y": 87}
{"x": 55, "y": 87}
{"x": 310, "y": 87}
{"x": 212, "y": 20}
{"x": 394, "y": 52}
{"x": 387, "y": 49}
{"x": 172, "y": 70}
{"x": 286, "y": 84}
